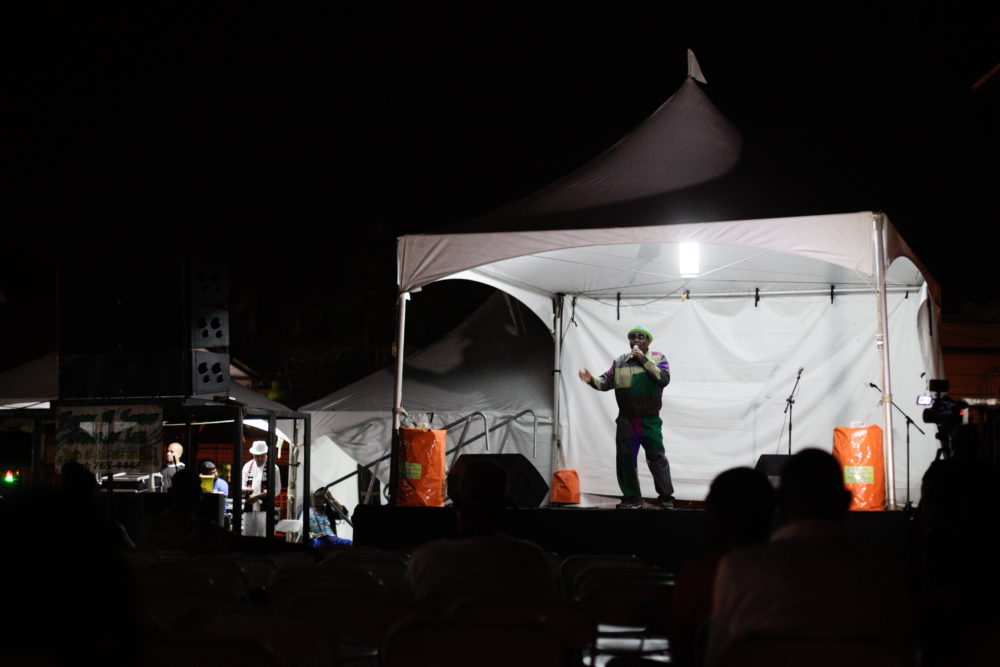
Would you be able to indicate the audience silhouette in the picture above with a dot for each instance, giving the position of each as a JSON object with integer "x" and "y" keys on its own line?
{"x": 955, "y": 554}
{"x": 775, "y": 564}
{"x": 67, "y": 590}
{"x": 78, "y": 489}
{"x": 479, "y": 558}
{"x": 178, "y": 526}
{"x": 812, "y": 579}
{"x": 739, "y": 511}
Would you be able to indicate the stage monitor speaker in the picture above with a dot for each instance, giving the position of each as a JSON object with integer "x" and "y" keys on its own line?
{"x": 525, "y": 485}
{"x": 772, "y": 465}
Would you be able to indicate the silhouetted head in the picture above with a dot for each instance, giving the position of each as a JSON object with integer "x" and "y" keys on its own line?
{"x": 482, "y": 485}
{"x": 812, "y": 487}
{"x": 77, "y": 480}
{"x": 739, "y": 507}
{"x": 479, "y": 492}
{"x": 185, "y": 491}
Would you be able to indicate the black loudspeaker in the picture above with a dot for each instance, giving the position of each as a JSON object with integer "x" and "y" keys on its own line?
{"x": 208, "y": 291}
{"x": 772, "y": 465}
{"x": 525, "y": 486}
{"x": 157, "y": 327}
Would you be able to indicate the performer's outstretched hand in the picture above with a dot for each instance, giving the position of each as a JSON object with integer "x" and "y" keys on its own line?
{"x": 585, "y": 376}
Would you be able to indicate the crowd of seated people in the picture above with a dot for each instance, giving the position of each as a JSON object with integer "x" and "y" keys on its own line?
{"x": 780, "y": 569}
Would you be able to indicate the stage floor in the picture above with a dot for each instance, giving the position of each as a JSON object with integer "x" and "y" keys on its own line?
{"x": 663, "y": 537}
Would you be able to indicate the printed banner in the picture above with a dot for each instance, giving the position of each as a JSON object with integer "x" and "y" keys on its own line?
{"x": 119, "y": 438}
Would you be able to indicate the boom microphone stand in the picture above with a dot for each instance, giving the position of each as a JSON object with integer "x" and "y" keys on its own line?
{"x": 909, "y": 422}
{"x": 788, "y": 408}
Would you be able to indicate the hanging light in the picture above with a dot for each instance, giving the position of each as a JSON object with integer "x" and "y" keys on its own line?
{"x": 689, "y": 259}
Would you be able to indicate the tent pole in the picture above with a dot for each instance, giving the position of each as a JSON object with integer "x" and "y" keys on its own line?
{"x": 557, "y": 324}
{"x": 397, "y": 395}
{"x": 882, "y": 341}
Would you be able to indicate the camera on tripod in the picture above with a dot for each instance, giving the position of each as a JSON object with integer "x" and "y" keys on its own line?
{"x": 942, "y": 410}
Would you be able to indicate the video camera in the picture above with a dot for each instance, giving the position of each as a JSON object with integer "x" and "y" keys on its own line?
{"x": 942, "y": 410}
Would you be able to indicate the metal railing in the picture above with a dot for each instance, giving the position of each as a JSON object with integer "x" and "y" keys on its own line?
{"x": 462, "y": 443}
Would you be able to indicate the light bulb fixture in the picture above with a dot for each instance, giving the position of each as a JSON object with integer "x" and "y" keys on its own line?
{"x": 688, "y": 256}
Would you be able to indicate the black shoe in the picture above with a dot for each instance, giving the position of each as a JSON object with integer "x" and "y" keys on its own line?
{"x": 667, "y": 503}
{"x": 629, "y": 504}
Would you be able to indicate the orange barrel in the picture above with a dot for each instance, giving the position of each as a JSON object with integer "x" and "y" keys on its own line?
{"x": 421, "y": 481}
{"x": 859, "y": 452}
{"x": 565, "y": 487}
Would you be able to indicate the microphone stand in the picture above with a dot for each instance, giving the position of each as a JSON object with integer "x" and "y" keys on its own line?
{"x": 788, "y": 408}
{"x": 909, "y": 422}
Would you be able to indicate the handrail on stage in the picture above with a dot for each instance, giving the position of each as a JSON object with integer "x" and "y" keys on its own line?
{"x": 462, "y": 443}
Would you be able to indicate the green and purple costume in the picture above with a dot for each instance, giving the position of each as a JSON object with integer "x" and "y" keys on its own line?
{"x": 639, "y": 391}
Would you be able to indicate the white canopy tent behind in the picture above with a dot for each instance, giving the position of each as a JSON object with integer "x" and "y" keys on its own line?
{"x": 496, "y": 364}
{"x": 778, "y": 289}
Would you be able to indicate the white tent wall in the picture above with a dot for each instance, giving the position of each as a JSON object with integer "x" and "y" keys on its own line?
{"x": 733, "y": 364}
{"x": 497, "y": 363}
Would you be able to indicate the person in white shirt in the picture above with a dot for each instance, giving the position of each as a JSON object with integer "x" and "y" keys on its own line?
{"x": 257, "y": 488}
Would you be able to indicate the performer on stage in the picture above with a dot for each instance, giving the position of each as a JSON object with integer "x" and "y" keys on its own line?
{"x": 256, "y": 487}
{"x": 638, "y": 379}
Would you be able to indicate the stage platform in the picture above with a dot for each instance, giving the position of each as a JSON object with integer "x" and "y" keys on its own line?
{"x": 663, "y": 537}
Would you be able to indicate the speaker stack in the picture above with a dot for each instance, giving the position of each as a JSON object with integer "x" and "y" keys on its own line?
{"x": 772, "y": 465}
{"x": 143, "y": 329}
{"x": 525, "y": 486}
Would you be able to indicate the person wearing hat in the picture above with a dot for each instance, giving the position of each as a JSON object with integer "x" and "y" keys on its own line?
{"x": 256, "y": 488}
{"x": 638, "y": 378}
{"x": 208, "y": 470}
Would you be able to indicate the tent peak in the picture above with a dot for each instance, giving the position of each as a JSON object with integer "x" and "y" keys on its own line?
{"x": 694, "y": 69}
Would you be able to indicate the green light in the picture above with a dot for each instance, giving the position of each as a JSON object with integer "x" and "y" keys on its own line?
{"x": 11, "y": 477}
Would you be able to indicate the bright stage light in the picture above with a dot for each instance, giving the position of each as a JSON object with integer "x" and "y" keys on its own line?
{"x": 689, "y": 259}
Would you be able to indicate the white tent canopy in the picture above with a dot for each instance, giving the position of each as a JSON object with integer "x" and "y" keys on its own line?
{"x": 497, "y": 363}
{"x": 778, "y": 289}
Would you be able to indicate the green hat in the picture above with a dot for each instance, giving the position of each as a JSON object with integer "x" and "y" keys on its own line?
{"x": 643, "y": 330}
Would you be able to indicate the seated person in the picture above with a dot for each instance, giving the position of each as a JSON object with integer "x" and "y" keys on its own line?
{"x": 323, "y": 517}
{"x": 480, "y": 559}
{"x": 812, "y": 578}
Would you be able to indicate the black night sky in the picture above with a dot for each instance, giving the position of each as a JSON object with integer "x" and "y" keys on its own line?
{"x": 295, "y": 145}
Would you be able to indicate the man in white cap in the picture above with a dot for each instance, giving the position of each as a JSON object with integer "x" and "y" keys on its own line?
{"x": 256, "y": 489}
